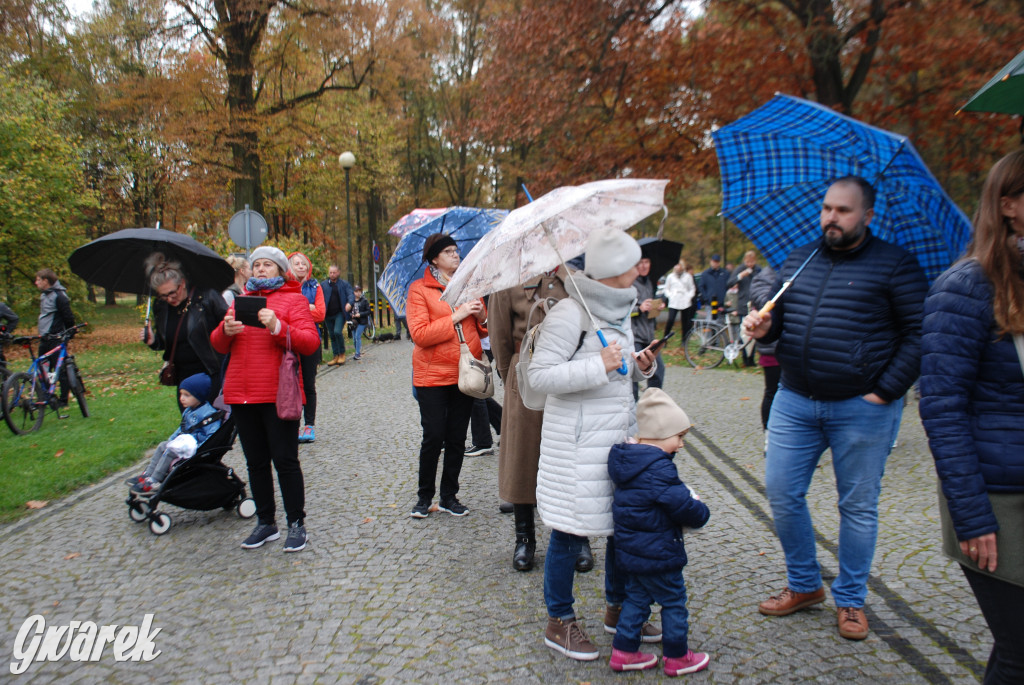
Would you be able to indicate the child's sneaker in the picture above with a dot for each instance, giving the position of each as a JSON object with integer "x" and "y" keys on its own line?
{"x": 691, "y": 663}
{"x": 145, "y": 488}
{"x": 307, "y": 434}
{"x": 632, "y": 661}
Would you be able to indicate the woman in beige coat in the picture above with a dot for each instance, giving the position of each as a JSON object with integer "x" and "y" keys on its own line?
{"x": 520, "y": 427}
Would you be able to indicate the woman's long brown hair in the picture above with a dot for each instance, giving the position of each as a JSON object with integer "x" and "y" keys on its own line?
{"x": 994, "y": 243}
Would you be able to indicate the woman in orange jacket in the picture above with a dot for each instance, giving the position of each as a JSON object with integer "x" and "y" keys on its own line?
{"x": 314, "y": 294}
{"x": 444, "y": 410}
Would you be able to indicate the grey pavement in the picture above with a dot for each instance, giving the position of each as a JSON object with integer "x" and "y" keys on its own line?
{"x": 377, "y": 597}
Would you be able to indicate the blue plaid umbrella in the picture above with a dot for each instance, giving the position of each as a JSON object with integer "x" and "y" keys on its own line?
{"x": 465, "y": 224}
{"x": 777, "y": 162}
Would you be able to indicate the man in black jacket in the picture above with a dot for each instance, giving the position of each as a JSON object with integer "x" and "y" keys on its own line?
{"x": 712, "y": 284}
{"x": 849, "y": 333}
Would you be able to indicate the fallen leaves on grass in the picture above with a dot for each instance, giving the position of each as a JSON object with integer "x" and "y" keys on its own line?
{"x": 36, "y": 504}
{"x": 60, "y": 453}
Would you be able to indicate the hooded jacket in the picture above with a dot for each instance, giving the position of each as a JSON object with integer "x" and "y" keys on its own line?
{"x": 650, "y": 510}
{"x": 435, "y": 357}
{"x": 252, "y": 372}
{"x": 55, "y": 310}
{"x": 587, "y": 409}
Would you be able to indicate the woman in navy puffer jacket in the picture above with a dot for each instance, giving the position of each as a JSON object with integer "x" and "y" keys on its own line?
{"x": 972, "y": 405}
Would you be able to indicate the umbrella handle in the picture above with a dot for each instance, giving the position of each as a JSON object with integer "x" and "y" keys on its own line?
{"x": 767, "y": 308}
{"x": 604, "y": 343}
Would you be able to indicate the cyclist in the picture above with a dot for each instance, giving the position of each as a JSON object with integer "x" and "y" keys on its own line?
{"x": 55, "y": 316}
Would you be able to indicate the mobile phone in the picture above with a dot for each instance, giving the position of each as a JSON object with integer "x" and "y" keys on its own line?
{"x": 658, "y": 344}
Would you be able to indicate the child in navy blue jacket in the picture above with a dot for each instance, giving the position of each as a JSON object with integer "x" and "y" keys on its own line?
{"x": 199, "y": 421}
{"x": 650, "y": 510}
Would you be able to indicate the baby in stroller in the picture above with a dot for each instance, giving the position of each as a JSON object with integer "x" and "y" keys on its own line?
{"x": 199, "y": 421}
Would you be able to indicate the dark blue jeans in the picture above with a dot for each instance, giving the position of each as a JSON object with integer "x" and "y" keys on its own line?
{"x": 668, "y": 590}
{"x": 560, "y": 569}
{"x": 335, "y": 325}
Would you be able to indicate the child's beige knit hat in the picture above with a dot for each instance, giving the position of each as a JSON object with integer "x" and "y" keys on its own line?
{"x": 658, "y": 417}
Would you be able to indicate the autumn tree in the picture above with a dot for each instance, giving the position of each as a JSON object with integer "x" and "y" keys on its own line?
{"x": 41, "y": 186}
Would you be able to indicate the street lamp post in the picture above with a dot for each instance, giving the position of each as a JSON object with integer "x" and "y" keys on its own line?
{"x": 347, "y": 160}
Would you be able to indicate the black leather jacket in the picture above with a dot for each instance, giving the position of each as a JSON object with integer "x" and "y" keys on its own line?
{"x": 205, "y": 312}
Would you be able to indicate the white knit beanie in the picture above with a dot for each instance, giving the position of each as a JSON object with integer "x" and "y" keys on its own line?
{"x": 273, "y": 254}
{"x": 658, "y": 417}
{"x": 610, "y": 252}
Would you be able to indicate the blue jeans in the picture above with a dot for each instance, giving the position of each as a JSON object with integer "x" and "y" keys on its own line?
{"x": 861, "y": 435}
{"x": 335, "y": 325}
{"x": 560, "y": 570}
{"x": 668, "y": 590}
{"x": 357, "y": 337}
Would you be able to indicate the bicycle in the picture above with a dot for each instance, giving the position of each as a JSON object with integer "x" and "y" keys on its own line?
{"x": 5, "y": 371}
{"x": 711, "y": 342}
{"x": 27, "y": 394}
{"x": 368, "y": 332}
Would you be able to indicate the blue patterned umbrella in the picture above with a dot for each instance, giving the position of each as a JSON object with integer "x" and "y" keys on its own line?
{"x": 465, "y": 224}
{"x": 777, "y": 162}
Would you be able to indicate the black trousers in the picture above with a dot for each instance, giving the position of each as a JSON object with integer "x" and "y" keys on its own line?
{"x": 444, "y": 415}
{"x": 685, "y": 321}
{"x": 1002, "y": 605}
{"x": 268, "y": 440}
{"x": 772, "y": 374}
{"x": 486, "y": 414}
{"x": 308, "y": 364}
{"x": 62, "y": 377}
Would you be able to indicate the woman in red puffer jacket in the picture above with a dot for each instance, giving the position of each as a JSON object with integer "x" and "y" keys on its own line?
{"x": 250, "y": 387}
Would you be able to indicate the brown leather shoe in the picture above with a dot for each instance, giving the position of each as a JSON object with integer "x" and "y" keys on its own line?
{"x": 340, "y": 359}
{"x": 788, "y": 602}
{"x": 333, "y": 362}
{"x": 853, "y": 623}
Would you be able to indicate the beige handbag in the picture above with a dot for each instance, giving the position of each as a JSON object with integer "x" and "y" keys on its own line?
{"x": 476, "y": 378}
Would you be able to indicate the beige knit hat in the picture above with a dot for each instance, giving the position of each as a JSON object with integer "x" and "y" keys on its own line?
{"x": 658, "y": 417}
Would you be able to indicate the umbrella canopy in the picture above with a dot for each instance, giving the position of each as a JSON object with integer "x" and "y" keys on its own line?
{"x": 117, "y": 261}
{"x": 1004, "y": 93}
{"x": 416, "y": 217}
{"x": 664, "y": 254}
{"x": 466, "y": 225}
{"x": 777, "y": 162}
{"x": 535, "y": 238}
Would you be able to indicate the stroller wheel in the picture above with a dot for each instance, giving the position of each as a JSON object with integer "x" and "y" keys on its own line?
{"x": 138, "y": 511}
{"x": 160, "y": 525}
{"x": 247, "y": 508}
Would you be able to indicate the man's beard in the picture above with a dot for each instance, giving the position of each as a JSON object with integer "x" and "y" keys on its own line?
{"x": 844, "y": 240}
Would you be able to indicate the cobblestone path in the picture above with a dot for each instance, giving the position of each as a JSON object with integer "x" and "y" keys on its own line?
{"x": 379, "y": 598}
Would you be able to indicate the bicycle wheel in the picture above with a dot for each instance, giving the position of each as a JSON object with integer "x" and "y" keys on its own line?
{"x": 23, "y": 403}
{"x": 371, "y": 329}
{"x": 704, "y": 346}
{"x": 77, "y": 387}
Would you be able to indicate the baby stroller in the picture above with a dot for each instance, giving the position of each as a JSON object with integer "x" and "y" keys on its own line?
{"x": 201, "y": 483}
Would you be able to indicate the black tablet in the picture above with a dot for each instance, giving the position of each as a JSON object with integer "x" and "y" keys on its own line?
{"x": 247, "y": 309}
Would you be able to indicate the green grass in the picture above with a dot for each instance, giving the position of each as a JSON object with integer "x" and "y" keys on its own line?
{"x": 130, "y": 412}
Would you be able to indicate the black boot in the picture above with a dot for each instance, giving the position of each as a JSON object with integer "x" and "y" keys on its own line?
{"x": 526, "y": 541}
{"x": 585, "y": 559}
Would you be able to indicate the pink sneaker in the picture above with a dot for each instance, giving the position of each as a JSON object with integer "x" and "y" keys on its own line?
{"x": 632, "y": 661}
{"x": 691, "y": 663}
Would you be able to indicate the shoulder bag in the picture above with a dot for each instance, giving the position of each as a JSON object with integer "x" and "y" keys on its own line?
{"x": 476, "y": 378}
{"x": 289, "y": 389}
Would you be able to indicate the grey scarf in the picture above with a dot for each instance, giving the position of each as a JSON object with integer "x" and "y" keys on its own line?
{"x": 611, "y": 306}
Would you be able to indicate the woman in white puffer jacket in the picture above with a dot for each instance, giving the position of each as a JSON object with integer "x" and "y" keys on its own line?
{"x": 589, "y": 408}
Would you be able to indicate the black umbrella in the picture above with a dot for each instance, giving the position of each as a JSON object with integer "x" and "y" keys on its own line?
{"x": 117, "y": 261}
{"x": 664, "y": 254}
